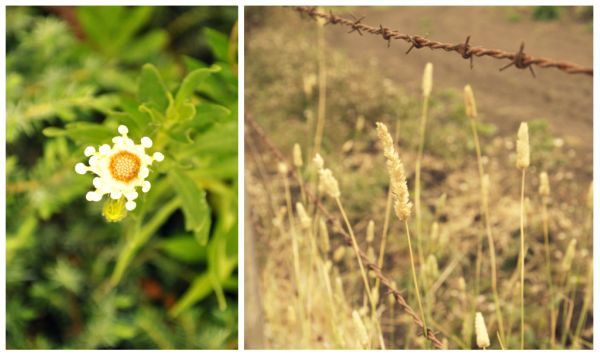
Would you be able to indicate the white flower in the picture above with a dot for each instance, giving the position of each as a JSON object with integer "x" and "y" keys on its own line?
{"x": 120, "y": 169}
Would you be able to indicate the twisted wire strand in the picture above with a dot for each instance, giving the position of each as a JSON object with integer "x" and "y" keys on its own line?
{"x": 385, "y": 281}
{"x": 519, "y": 59}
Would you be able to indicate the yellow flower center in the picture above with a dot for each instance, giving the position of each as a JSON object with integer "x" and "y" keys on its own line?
{"x": 124, "y": 166}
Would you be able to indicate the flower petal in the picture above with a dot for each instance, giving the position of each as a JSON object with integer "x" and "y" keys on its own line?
{"x": 81, "y": 168}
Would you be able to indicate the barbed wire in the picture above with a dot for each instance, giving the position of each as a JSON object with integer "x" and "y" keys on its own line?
{"x": 518, "y": 59}
{"x": 385, "y": 281}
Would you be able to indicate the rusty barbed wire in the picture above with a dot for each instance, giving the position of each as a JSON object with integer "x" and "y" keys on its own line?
{"x": 431, "y": 335}
{"x": 519, "y": 59}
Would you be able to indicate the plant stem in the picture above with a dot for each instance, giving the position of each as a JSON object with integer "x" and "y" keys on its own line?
{"x": 415, "y": 280}
{"x": 322, "y": 91}
{"x": 586, "y": 303}
{"x": 301, "y": 183}
{"x": 362, "y": 272}
{"x": 522, "y": 259}
{"x": 549, "y": 273}
{"x": 418, "y": 177}
{"x": 488, "y": 229}
{"x": 386, "y": 221}
{"x": 296, "y": 259}
{"x": 141, "y": 236}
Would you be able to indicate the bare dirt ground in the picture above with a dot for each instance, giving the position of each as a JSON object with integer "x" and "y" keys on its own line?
{"x": 504, "y": 98}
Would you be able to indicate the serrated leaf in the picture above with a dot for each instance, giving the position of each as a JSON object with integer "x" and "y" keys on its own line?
{"x": 194, "y": 204}
{"x": 151, "y": 88}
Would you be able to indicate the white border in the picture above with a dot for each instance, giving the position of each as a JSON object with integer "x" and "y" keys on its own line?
{"x": 241, "y": 35}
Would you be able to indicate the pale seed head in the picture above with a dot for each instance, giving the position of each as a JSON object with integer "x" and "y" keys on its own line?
{"x": 483, "y": 340}
{"x": 371, "y": 231}
{"x": 427, "y": 79}
{"x": 282, "y": 168}
{"x": 328, "y": 183}
{"x": 318, "y": 161}
{"x": 523, "y": 146}
{"x": 363, "y": 336}
{"x": 544, "y": 185}
{"x": 305, "y": 220}
{"x": 324, "y": 235}
{"x": 402, "y": 204}
{"x": 297, "y": 156}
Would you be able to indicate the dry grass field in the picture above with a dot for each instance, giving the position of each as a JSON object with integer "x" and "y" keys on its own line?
{"x": 456, "y": 193}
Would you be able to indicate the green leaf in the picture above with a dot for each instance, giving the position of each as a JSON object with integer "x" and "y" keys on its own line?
{"x": 112, "y": 28}
{"x": 207, "y": 112}
{"x": 183, "y": 248}
{"x": 153, "y": 113}
{"x": 194, "y": 204}
{"x": 83, "y": 133}
{"x": 218, "y": 43}
{"x": 146, "y": 46}
{"x": 221, "y": 267}
{"x": 151, "y": 88}
{"x": 192, "y": 81}
{"x": 130, "y": 22}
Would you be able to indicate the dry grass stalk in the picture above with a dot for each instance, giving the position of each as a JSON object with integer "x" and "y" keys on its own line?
{"x": 321, "y": 106}
{"x": 522, "y": 164}
{"x": 298, "y": 163}
{"x": 398, "y": 185}
{"x": 544, "y": 191}
{"x": 330, "y": 186}
{"x": 402, "y": 204}
{"x": 484, "y": 181}
{"x": 427, "y": 87}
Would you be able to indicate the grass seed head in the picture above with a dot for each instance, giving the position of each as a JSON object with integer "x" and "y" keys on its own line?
{"x": 427, "y": 79}
{"x": 324, "y": 235}
{"x": 328, "y": 183}
{"x": 282, "y": 168}
{"x": 371, "y": 231}
{"x": 305, "y": 220}
{"x": 567, "y": 261}
{"x": 470, "y": 106}
{"x": 544, "y": 185}
{"x": 318, "y": 161}
{"x": 523, "y": 146}
{"x": 297, "y": 156}
{"x": 361, "y": 329}
{"x": 431, "y": 268}
{"x": 483, "y": 340}
{"x": 339, "y": 253}
{"x": 360, "y": 123}
{"x": 402, "y": 204}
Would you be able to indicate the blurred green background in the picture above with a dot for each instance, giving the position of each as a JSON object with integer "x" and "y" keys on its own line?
{"x": 73, "y": 75}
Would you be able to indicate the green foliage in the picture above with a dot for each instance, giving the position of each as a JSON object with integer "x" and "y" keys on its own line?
{"x": 546, "y": 13}
{"x": 165, "y": 276}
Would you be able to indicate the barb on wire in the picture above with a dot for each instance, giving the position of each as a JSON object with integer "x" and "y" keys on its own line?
{"x": 385, "y": 281}
{"x": 519, "y": 59}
